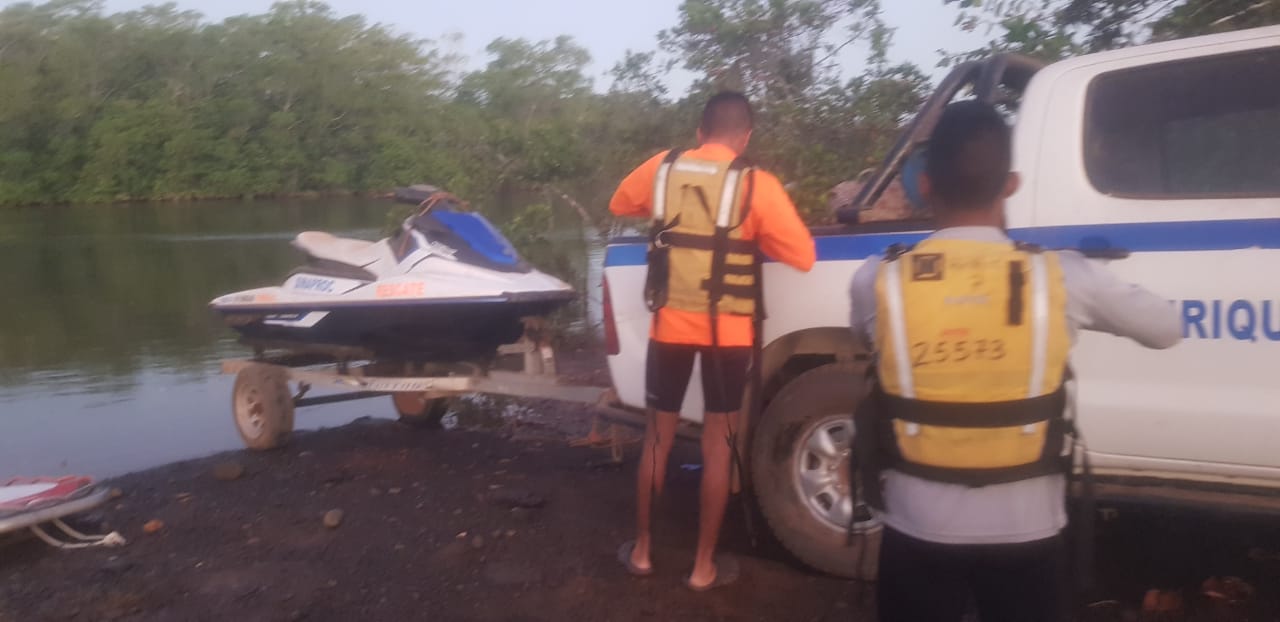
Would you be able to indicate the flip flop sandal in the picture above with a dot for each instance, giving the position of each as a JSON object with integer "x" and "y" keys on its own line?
{"x": 727, "y": 572}
{"x": 624, "y": 556}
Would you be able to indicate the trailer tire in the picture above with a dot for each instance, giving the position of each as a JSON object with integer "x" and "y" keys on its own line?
{"x": 418, "y": 410}
{"x": 794, "y": 471}
{"x": 262, "y": 406}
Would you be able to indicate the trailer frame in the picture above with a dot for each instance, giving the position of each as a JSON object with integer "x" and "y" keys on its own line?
{"x": 263, "y": 405}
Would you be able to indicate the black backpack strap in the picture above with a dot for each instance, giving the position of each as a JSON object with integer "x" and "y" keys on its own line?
{"x": 721, "y": 245}
{"x": 658, "y": 255}
{"x": 869, "y": 453}
{"x": 1082, "y": 510}
{"x": 757, "y": 266}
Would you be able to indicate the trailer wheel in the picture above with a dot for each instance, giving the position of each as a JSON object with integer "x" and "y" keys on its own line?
{"x": 262, "y": 406}
{"x": 799, "y": 464}
{"x": 420, "y": 411}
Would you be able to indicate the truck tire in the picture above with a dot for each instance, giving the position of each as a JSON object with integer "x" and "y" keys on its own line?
{"x": 799, "y": 467}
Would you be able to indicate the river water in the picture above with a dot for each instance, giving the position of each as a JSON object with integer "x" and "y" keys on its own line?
{"x": 109, "y": 356}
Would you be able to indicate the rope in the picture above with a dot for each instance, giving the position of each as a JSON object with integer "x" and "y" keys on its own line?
{"x": 731, "y": 437}
{"x": 855, "y": 491}
{"x": 713, "y": 310}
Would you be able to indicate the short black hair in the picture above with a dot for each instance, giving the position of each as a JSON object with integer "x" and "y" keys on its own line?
{"x": 969, "y": 155}
{"x": 727, "y": 113}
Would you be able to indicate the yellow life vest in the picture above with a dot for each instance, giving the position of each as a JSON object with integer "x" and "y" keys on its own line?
{"x": 698, "y": 259}
{"x": 972, "y": 345}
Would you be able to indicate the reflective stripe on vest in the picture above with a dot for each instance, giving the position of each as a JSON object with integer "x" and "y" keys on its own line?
{"x": 660, "y": 189}
{"x": 972, "y": 342}
{"x": 1039, "y": 324}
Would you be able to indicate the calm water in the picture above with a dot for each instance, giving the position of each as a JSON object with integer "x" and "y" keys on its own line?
{"x": 108, "y": 353}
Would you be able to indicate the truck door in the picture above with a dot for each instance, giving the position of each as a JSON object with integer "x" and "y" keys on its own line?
{"x": 1174, "y": 155}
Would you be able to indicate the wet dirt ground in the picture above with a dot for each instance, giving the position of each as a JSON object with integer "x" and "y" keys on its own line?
{"x": 506, "y": 523}
{"x": 432, "y": 529}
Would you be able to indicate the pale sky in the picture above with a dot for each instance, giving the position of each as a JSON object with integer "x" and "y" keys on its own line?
{"x": 607, "y": 28}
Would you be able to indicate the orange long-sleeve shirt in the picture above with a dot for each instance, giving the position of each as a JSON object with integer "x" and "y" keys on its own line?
{"x": 772, "y": 222}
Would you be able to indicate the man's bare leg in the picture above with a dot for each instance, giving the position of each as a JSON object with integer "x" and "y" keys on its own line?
{"x": 659, "y": 435}
{"x": 714, "y": 496}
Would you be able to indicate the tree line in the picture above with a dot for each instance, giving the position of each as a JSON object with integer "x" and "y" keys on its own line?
{"x": 159, "y": 103}
{"x": 1055, "y": 29}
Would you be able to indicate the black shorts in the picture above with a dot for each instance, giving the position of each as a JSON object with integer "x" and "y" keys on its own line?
{"x": 670, "y": 365}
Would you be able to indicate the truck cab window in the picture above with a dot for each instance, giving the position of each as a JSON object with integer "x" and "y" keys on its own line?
{"x": 1200, "y": 128}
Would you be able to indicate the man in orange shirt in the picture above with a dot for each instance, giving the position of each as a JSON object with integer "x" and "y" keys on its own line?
{"x": 711, "y": 211}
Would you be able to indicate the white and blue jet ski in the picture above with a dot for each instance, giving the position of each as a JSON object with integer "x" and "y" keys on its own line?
{"x": 446, "y": 287}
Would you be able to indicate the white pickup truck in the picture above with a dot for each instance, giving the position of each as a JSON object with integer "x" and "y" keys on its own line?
{"x": 1162, "y": 161}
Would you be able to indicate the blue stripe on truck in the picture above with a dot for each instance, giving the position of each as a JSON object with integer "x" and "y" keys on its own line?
{"x": 1200, "y": 235}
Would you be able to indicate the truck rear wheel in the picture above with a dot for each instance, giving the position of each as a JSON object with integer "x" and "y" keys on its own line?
{"x": 800, "y": 466}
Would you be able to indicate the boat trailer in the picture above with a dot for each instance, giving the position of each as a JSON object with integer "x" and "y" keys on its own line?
{"x": 263, "y": 404}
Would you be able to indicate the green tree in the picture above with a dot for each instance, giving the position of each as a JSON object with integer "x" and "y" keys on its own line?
{"x": 531, "y": 103}
{"x": 813, "y": 128}
{"x": 1055, "y": 29}
{"x": 773, "y": 50}
{"x": 156, "y": 103}
{"x": 160, "y": 103}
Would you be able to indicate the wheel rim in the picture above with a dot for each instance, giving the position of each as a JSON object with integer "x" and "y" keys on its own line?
{"x": 249, "y": 411}
{"x": 821, "y": 466}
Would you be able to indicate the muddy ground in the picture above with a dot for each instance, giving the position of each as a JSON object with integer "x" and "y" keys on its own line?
{"x": 499, "y": 519}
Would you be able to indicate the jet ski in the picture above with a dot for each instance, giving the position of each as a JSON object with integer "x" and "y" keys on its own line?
{"x": 447, "y": 286}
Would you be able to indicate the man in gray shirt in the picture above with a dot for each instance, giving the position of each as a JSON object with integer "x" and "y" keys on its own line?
{"x": 998, "y": 544}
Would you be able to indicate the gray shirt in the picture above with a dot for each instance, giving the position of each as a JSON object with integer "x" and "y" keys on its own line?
{"x": 1031, "y": 509}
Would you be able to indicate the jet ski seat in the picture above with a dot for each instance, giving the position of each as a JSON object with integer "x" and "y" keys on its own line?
{"x": 321, "y": 245}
